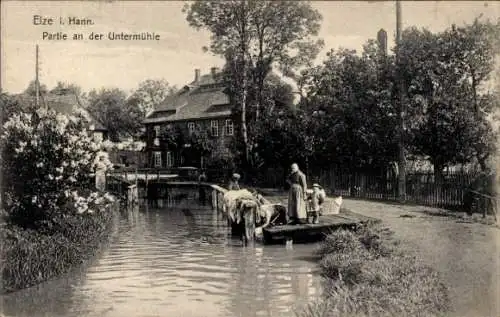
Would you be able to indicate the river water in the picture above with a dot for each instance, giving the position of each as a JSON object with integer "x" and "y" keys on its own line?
{"x": 177, "y": 259}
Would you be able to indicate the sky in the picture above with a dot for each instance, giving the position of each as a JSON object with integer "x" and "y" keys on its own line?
{"x": 124, "y": 64}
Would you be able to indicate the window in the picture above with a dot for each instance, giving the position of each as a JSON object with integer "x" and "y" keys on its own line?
{"x": 170, "y": 161}
{"x": 214, "y": 127}
{"x": 157, "y": 131}
{"x": 157, "y": 158}
{"x": 229, "y": 127}
{"x": 191, "y": 127}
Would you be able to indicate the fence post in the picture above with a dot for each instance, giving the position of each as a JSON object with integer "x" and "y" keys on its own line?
{"x": 214, "y": 198}
{"x": 136, "y": 177}
{"x": 250, "y": 225}
{"x": 146, "y": 184}
{"x": 332, "y": 181}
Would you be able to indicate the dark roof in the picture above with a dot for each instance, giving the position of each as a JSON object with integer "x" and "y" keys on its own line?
{"x": 203, "y": 99}
{"x": 66, "y": 104}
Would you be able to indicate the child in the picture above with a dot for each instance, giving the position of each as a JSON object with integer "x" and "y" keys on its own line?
{"x": 317, "y": 198}
{"x": 233, "y": 183}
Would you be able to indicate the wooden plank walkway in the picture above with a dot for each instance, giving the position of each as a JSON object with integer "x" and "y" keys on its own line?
{"x": 345, "y": 219}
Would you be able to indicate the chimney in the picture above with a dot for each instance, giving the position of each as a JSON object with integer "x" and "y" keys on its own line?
{"x": 196, "y": 75}
{"x": 214, "y": 71}
{"x": 382, "y": 40}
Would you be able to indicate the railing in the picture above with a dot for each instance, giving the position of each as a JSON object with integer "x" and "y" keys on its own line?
{"x": 149, "y": 174}
{"x": 145, "y": 174}
{"x": 122, "y": 188}
{"x": 421, "y": 188}
{"x": 483, "y": 203}
{"x": 131, "y": 184}
{"x": 114, "y": 185}
{"x": 218, "y": 197}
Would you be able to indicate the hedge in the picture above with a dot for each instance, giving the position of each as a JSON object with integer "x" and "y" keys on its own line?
{"x": 29, "y": 257}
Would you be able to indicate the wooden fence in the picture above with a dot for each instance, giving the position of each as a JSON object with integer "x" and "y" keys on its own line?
{"x": 421, "y": 188}
{"x": 456, "y": 190}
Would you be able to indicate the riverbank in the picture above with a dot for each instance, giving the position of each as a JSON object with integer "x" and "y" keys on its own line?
{"x": 463, "y": 250}
{"x": 30, "y": 257}
{"x": 367, "y": 275}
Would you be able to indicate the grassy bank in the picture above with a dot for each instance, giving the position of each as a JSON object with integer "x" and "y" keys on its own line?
{"x": 29, "y": 257}
{"x": 367, "y": 275}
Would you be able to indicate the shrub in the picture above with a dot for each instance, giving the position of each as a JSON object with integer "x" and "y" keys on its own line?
{"x": 341, "y": 241}
{"x": 30, "y": 257}
{"x": 343, "y": 266}
{"x": 373, "y": 237}
{"x": 365, "y": 277}
{"x": 55, "y": 216}
{"x": 47, "y": 160}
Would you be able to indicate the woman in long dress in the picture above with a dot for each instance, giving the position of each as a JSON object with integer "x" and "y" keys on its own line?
{"x": 100, "y": 174}
{"x": 297, "y": 196}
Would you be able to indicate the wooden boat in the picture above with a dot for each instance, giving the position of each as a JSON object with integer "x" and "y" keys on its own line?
{"x": 345, "y": 219}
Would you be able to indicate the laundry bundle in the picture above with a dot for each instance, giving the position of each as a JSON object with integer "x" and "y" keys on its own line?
{"x": 235, "y": 201}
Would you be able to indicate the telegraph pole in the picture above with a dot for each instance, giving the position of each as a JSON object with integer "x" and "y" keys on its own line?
{"x": 37, "y": 83}
{"x": 401, "y": 126}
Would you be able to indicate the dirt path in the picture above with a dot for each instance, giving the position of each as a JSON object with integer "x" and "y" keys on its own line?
{"x": 466, "y": 254}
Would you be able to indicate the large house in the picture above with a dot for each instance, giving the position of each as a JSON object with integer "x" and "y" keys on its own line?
{"x": 202, "y": 105}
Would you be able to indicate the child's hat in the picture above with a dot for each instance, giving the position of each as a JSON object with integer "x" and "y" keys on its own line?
{"x": 316, "y": 185}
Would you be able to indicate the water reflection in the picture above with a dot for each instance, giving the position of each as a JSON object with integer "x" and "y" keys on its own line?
{"x": 176, "y": 260}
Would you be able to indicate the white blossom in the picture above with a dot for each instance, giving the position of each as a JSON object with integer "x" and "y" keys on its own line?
{"x": 79, "y": 154}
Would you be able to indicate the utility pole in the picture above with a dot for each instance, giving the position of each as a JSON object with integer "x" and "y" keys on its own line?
{"x": 37, "y": 83}
{"x": 401, "y": 126}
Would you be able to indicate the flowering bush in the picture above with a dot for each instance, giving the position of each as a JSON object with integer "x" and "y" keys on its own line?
{"x": 128, "y": 145}
{"x": 48, "y": 160}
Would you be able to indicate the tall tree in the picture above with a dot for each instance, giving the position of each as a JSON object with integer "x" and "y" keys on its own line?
{"x": 64, "y": 88}
{"x": 355, "y": 118}
{"x": 476, "y": 46}
{"x": 444, "y": 73}
{"x": 31, "y": 89}
{"x": 8, "y": 106}
{"x": 278, "y": 99}
{"x": 253, "y": 36}
{"x": 151, "y": 93}
{"x": 120, "y": 117}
